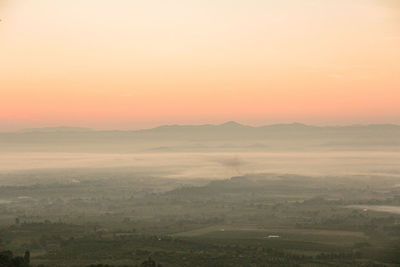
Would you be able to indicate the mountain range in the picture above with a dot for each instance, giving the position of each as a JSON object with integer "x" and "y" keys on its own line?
{"x": 229, "y": 136}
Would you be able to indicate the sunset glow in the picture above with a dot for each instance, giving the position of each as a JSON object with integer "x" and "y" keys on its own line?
{"x": 133, "y": 64}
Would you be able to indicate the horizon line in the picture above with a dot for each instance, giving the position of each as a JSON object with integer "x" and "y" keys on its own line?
{"x": 226, "y": 123}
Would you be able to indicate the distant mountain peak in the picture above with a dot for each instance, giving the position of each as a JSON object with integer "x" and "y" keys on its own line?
{"x": 298, "y": 124}
{"x": 231, "y": 124}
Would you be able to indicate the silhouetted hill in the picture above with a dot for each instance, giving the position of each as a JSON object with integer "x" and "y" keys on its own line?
{"x": 274, "y": 185}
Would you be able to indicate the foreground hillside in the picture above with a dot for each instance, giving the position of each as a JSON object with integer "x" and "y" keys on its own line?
{"x": 251, "y": 220}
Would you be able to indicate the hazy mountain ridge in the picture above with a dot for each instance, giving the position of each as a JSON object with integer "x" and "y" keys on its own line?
{"x": 230, "y": 136}
{"x": 231, "y": 125}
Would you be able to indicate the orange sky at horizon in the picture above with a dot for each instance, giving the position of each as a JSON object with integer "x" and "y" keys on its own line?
{"x": 130, "y": 64}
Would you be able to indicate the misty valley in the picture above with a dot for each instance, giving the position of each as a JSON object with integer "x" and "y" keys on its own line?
{"x": 199, "y": 205}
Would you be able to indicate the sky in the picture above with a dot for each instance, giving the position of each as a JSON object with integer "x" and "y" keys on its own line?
{"x": 130, "y": 64}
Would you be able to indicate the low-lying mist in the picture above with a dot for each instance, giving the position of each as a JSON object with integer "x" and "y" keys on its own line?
{"x": 212, "y": 165}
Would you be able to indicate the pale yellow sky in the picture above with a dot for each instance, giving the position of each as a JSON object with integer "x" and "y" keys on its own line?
{"x": 130, "y": 64}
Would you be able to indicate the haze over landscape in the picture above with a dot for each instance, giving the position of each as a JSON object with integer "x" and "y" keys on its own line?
{"x": 199, "y": 133}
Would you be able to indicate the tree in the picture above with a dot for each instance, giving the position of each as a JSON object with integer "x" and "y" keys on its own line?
{"x": 7, "y": 259}
{"x": 150, "y": 263}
